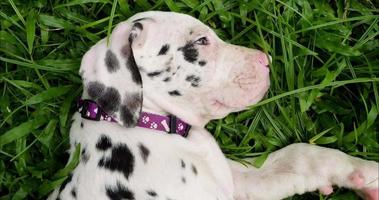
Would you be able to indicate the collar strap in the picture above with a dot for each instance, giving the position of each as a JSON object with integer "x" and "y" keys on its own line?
{"x": 170, "y": 124}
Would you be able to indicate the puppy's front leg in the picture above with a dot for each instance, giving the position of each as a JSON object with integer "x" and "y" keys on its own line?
{"x": 300, "y": 168}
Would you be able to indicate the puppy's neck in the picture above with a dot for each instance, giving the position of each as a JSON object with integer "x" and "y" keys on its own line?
{"x": 186, "y": 114}
{"x": 149, "y": 106}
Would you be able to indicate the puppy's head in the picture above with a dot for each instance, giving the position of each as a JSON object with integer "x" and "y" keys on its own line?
{"x": 186, "y": 70}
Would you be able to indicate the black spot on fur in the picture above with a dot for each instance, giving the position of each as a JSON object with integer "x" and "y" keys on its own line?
{"x": 194, "y": 80}
{"x": 182, "y": 163}
{"x": 121, "y": 160}
{"x": 152, "y": 193}
{"x": 131, "y": 37}
{"x": 132, "y": 66}
{"x": 73, "y": 192}
{"x": 101, "y": 162}
{"x": 103, "y": 143}
{"x": 194, "y": 169}
{"x": 65, "y": 182}
{"x": 138, "y": 25}
{"x": 174, "y": 93}
{"x": 164, "y": 49}
{"x": 131, "y": 108}
{"x": 202, "y": 62}
{"x": 153, "y": 74}
{"x": 84, "y": 156}
{"x": 168, "y": 69}
{"x": 133, "y": 101}
{"x": 111, "y": 62}
{"x": 110, "y": 100}
{"x": 190, "y": 53}
{"x": 127, "y": 116}
{"x": 144, "y": 151}
{"x": 119, "y": 192}
{"x": 107, "y": 97}
{"x": 167, "y": 79}
{"x": 81, "y": 124}
{"x": 95, "y": 89}
{"x": 184, "y": 180}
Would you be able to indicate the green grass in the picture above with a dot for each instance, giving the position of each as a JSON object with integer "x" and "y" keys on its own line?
{"x": 324, "y": 79}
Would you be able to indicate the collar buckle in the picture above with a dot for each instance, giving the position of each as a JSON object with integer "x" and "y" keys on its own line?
{"x": 172, "y": 124}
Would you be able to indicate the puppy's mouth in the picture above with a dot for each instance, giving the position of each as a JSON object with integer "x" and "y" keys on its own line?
{"x": 233, "y": 103}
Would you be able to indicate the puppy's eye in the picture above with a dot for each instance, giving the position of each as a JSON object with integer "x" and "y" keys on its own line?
{"x": 202, "y": 41}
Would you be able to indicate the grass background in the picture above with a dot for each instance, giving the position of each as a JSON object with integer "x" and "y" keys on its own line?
{"x": 324, "y": 79}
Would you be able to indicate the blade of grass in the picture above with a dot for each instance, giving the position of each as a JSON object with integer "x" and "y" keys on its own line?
{"x": 114, "y": 5}
{"x": 30, "y": 30}
{"x": 17, "y": 11}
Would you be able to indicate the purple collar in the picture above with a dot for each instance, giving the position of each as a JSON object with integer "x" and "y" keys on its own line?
{"x": 169, "y": 124}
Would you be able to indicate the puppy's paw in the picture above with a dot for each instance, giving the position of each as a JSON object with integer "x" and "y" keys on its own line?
{"x": 350, "y": 172}
{"x": 326, "y": 190}
{"x": 370, "y": 194}
{"x": 365, "y": 180}
{"x": 364, "y": 183}
{"x": 357, "y": 179}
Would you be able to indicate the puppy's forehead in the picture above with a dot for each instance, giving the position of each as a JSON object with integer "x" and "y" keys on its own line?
{"x": 171, "y": 21}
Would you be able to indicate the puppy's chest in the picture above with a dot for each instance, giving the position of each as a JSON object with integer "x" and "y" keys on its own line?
{"x": 138, "y": 164}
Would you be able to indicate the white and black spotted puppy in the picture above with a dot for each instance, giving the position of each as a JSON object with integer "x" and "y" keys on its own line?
{"x": 165, "y": 63}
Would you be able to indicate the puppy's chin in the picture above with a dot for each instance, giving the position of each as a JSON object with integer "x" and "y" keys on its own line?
{"x": 217, "y": 108}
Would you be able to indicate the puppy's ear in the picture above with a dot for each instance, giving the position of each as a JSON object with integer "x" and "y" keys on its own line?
{"x": 111, "y": 77}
